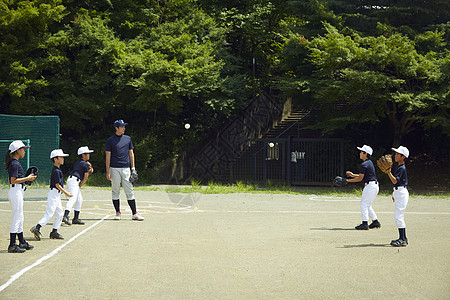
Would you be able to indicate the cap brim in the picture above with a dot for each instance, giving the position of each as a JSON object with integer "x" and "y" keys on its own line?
{"x": 26, "y": 147}
{"x": 86, "y": 152}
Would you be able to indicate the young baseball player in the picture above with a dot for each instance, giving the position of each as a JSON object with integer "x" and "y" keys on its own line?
{"x": 371, "y": 188}
{"x": 15, "y": 195}
{"x": 80, "y": 173}
{"x": 400, "y": 195}
{"x": 119, "y": 159}
{"x": 54, "y": 206}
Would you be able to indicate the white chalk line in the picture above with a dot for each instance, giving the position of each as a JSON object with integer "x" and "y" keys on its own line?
{"x": 314, "y": 212}
{"x": 333, "y": 199}
{"x": 50, "y": 255}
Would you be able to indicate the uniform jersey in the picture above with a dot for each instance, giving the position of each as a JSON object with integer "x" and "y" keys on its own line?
{"x": 368, "y": 169}
{"x": 119, "y": 146}
{"x": 79, "y": 168}
{"x": 56, "y": 177}
{"x": 15, "y": 169}
{"x": 401, "y": 176}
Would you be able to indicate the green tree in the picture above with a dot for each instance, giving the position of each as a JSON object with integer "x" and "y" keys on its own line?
{"x": 377, "y": 78}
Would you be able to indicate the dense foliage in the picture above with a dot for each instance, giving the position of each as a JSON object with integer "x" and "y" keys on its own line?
{"x": 161, "y": 64}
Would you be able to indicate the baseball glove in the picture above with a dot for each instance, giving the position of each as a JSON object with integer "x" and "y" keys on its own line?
{"x": 31, "y": 171}
{"x": 133, "y": 177}
{"x": 91, "y": 169}
{"x": 339, "y": 181}
{"x": 385, "y": 163}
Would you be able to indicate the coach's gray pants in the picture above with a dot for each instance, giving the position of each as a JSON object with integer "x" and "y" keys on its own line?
{"x": 121, "y": 176}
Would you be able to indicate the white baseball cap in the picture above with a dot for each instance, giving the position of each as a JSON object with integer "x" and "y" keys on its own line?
{"x": 57, "y": 152}
{"x": 402, "y": 150}
{"x": 16, "y": 145}
{"x": 366, "y": 149}
{"x": 83, "y": 150}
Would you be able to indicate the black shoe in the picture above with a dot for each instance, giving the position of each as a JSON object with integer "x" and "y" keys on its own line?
{"x": 375, "y": 224}
{"x": 362, "y": 227}
{"x": 26, "y": 246}
{"x": 77, "y": 221}
{"x": 56, "y": 235}
{"x": 66, "y": 220}
{"x": 37, "y": 234}
{"x": 16, "y": 249}
{"x": 399, "y": 243}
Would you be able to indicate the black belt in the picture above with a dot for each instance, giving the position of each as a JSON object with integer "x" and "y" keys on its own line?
{"x": 13, "y": 185}
{"x": 371, "y": 181}
{"x": 403, "y": 186}
{"x": 55, "y": 189}
{"x": 78, "y": 179}
{"x": 22, "y": 184}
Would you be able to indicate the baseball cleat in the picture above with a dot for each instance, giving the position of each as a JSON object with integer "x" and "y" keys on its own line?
{"x": 399, "y": 243}
{"x": 37, "y": 234}
{"x": 77, "y": 221}
{"x": 137, "y": 217}
{"x": 362, "y": 227}
{"x": 26, "y": 246}
{"x": 375, "y": 224}
{"x": 55, "y": 235}
{"x": 118, "y": 216}
{"x": 66, "y": 220}
{"x": 15, "y": 249}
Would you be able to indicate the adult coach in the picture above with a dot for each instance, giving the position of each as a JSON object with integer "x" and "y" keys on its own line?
{"x": 119, "y": 159}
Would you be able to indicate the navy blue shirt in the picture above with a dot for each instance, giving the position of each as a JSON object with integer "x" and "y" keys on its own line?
{"x": 368, "y": 169}
{"x": 119, "y": 147}
{"x": 401, "y": 176}
{"x": 79, "y": 168}
{"x": 15, "y": 169}
{"x": 56, "y": 177}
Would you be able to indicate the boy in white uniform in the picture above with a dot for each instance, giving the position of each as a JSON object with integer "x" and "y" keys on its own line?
{"x": 400, "y": 196}
{"x": 54, "y": 206}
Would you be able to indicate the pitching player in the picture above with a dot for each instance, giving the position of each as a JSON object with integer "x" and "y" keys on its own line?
{"x": 370, "y": 191}
{"x": 119, "y": 159}
{"x": 54, "y": 206}
{"x": 15, "y": 195}
{"x": 400, "y": 195}
{"x": 80, "y": 174}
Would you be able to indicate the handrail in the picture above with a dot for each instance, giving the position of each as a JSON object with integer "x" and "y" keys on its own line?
{"x": 296, "y": 122}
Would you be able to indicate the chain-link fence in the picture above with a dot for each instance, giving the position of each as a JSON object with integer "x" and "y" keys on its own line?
{"x": 40, "y": 132}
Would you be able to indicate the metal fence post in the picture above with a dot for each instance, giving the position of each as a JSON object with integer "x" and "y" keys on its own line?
{"x": 288, "y": 160}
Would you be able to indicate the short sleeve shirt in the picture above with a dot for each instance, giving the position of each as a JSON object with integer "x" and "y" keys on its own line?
{"x": 80, "y": 167}
{"x": 56, "y": 177}
{"x": 119, "y": 146}
{"x": 401, "y": 176}
{"x": 368, "y": 169}
{"x": 15, "y": 169}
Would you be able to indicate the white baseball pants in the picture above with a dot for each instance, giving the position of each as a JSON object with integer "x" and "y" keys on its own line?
{"x": 369, "y": 193}
{"x": 401, "y": 197}
{"x": 73, "y": 185}
{"x": 121, "y": 176}
{"x": 15, "y": 197}
{"x": 53, "y": 207}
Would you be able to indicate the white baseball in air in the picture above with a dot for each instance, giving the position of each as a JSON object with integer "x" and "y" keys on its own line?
{"x": 187, "y": 126}
{"x": 271, "y": 145}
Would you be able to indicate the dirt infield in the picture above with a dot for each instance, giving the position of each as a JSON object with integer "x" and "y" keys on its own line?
{"x": 233, "y": 246}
